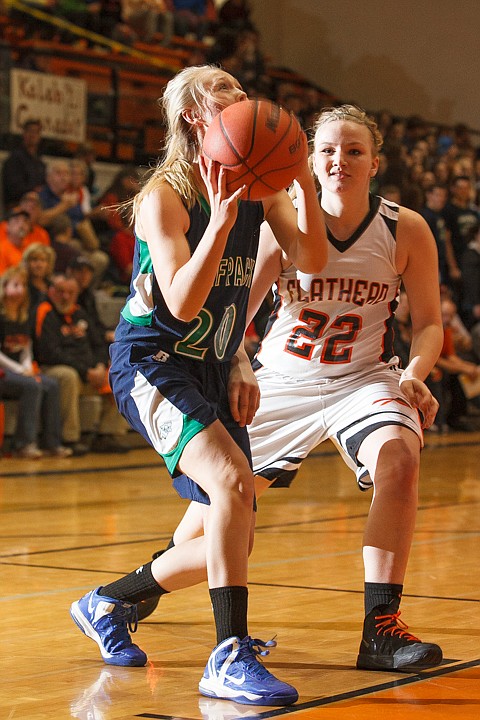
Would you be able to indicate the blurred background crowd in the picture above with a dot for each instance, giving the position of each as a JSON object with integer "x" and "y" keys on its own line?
{"x": 66, "y": 242}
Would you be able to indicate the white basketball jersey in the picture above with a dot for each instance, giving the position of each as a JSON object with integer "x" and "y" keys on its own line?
{"x": 339, "y": 321}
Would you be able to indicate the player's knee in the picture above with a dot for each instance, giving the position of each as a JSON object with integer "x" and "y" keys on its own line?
{"x": 399, "y": 467}
{"x": 237, "y": 488}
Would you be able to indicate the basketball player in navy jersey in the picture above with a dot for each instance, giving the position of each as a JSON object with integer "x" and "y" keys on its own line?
{"x": 326, "y": 369}
{"x": 177, "y": 375}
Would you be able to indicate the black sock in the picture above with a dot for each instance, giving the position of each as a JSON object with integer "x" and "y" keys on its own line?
{"x": 380, "y": 594}
{"x": 230, "y": 611}
{"x": 136, "y": 586}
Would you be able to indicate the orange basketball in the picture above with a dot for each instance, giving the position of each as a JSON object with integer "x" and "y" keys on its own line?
{"x": 260, "y": 144}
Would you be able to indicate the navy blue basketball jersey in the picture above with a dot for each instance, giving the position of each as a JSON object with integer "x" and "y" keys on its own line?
{"x": 217, "y": 331}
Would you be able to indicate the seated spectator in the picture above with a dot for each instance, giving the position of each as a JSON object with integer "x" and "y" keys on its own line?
{"x": 190, "y": 18}
{"x": 109, "y": 17}
{"x": 236, "y": 14}
{"x": 223, "y": 45}
{"x": 86, "y": 152}
{"x": 147, "y": 17}
{"x": 81, "y": 269}
{"x": 37, "y": 395}
{"x": 470, "y": 267}
{"x": 13, "y": 232}
{"x": 452, "y": 366}
{"x": 68, "y": 349}
{"x": 24, "y": 169}
{"x": 82, "y": 13}
{"x": 108, "y": 216}
{"x": 121, "y": 251}
{"x": 464, "y": 165}
{"x": 39, "y": 262}
{"x": 460, "y": 214}
{"x": 442, "y": 172}
{"x": 31, "y": 203}
{"x": 78, "y": 183}
{"x": 57, "y": 199}
{"x": 246, "y": 62}
{"x": 63, "y": 243}
{"x": 432, "y": 210}
{"x": 412, "y": 191}
{"x": 396, "y": 169}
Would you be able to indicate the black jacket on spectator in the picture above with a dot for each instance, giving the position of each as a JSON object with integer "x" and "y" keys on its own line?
{"x": 67, "y": 340}
{"x": 21, "y": 173}
{"x": 87, "y": 301}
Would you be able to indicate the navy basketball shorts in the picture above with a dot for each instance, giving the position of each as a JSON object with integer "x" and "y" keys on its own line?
{"x": 168, "y": 399}
{"x": 296, "y": 415}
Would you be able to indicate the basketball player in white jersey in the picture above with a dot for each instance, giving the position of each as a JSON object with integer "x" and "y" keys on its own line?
{"x": 326, "y": 369}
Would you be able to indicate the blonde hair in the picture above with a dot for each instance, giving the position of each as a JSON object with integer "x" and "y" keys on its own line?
{"x": 35, "y": 249}
{"x": 11, "y": 272}
{"x": 189, "y": 89}
{"x": 351, "y": 113}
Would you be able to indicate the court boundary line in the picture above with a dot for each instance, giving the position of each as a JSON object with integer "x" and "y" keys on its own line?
{"x": 341, "y": 697}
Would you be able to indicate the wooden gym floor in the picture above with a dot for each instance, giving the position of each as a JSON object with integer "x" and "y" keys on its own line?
{"x": 70, "y": 525}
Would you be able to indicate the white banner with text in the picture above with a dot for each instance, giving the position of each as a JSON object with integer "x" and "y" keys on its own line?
{"x": 60, "y": 103}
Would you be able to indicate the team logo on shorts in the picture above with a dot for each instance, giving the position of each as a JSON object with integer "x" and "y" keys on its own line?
{"x": 165, "y": 429}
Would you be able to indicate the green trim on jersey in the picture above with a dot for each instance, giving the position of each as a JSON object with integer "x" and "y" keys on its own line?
{"x": 146, "y": 265}
{"x": 140, "y": 320}
{"x": 191, "y": 428}
{"x": 204, "y": 205}
{"x": 146, "y": 268}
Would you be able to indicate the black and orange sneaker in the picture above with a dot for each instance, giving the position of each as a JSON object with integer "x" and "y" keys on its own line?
{"x": 387, "y": 644}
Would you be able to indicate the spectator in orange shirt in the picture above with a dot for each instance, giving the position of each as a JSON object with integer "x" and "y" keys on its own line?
{"x": 13, "y": 232}
{"x": 20, "y": 229}
{"x": 30, "y": 202}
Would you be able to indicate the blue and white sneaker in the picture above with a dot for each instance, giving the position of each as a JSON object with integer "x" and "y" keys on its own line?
{"x": 107, "y": 621}
{"x": 233, "y": 672}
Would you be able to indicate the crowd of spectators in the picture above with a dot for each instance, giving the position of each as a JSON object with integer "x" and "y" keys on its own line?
{"x": 71, "y": 240}
{"x": 55, "y": 238}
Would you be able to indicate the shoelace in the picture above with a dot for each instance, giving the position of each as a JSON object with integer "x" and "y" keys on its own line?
{"x": 391, "y": 625}
{"x": 255, "y": 646}
{"x": 250, "y": 649}
{"x": 122, "y": 618}
{"x": 131, "y": 616}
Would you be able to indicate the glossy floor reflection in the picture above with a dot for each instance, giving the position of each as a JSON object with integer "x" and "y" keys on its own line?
{"x": 69, "y": 525}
